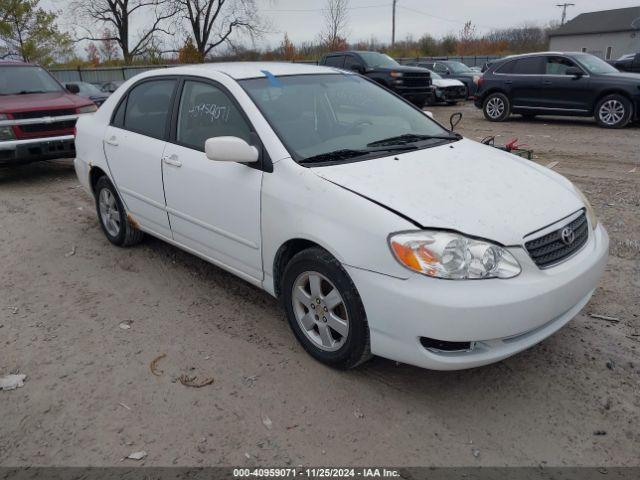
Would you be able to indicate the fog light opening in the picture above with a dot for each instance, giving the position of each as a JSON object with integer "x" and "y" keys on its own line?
{"x": 434, "y": 345}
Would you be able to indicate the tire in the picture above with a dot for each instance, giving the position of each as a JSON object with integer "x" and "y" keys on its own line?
{"x": 112, "y": 216}
{"x": 613, "y": 111}
{"x": 496, "y": 107}
{"x": 315, "y": 313}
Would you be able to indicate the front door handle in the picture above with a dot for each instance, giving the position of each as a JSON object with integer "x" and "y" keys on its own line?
{"x": 172, "y": 160}
{"x": 112, "y": 140}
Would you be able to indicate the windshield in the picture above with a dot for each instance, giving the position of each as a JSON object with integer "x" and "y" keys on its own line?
{"x": 320, "y": 114}
{"x": 458, "y": 67}
{"x": 28, "y": 79}
{"x": 375, "y": 59}
{"x": 87, "y": 88}
{"x": 594, "y": 65}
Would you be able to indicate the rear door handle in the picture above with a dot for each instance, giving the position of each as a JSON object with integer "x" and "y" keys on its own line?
{"x": 172, "y": 160}
{"x": 112, "y": 140}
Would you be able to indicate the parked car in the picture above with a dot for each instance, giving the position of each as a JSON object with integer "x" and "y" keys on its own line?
{"x": 414, "y": 84}
{"x": 556, "y": 83}
{"x": 380, "y": 231}
{"x": 628, "y": 63}
{"x": 90, "y": 91}
{"x": 453, "y": 70}
{"x": 448, "y": 90}
{"x": 37, "y": 114}
{"x": 112, "y": 86}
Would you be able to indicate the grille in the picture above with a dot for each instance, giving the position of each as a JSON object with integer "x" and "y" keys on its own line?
{"x": 43, "y": 113}
{"x": 550, "y": 249}
{"x": 416, "y": 79}
{"x": 48, "y": 127}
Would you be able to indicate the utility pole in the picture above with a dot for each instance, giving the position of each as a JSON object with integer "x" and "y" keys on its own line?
{"x": 564, "y": 11}
{"x": 393, "y": 24}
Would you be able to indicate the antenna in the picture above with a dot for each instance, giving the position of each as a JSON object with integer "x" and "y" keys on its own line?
{"x": 564, "y": 10}
{"x": 393, "y": 23}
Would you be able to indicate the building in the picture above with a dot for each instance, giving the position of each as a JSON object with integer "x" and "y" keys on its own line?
{"x": 607, "y": 34}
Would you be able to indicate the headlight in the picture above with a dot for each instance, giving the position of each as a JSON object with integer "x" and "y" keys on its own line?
{"x": 87, "y": 109}
{"x": 476, "y": 78}
{"x": 452, "y": 256}
{"x": 591, "y": 214}
{"x": 395, "y": 74}
{"x": 6, "y": 133}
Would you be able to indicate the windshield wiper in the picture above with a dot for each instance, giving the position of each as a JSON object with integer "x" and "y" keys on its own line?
{"x": 347, "y": 153}
{"x": 412, "y": 138}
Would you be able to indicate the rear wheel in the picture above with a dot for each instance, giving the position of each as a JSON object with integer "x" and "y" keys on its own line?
{"x": 613, "y": 111}
{"x": 324, "y": 309}
{"x": 496, "y": 107}
{"x": 112, "y": 216}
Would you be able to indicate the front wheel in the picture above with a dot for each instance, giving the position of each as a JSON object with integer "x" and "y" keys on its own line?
{"x": 112, "y": 216}
{"x": 613, "y": 111}
{"x": 496, "y": 107}
{"x": 324, "y": 309}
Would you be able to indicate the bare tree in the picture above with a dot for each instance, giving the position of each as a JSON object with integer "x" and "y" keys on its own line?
{"x": 212, "y": 22}
{"x": 116, "y": 16}
{"x": 336, "y": 20}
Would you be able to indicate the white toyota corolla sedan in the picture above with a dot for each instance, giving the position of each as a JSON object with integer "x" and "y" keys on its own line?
{"x": 380, "y": 231}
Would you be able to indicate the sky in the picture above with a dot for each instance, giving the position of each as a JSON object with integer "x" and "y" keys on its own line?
{"x": 303, "y": 19}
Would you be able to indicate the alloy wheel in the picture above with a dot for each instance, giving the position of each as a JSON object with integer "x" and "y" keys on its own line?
{"x": 495, "y": 107}
{"x": 611, "y": 112}
{"x": 320, "y": 311}
{"x": 109, "y": 212}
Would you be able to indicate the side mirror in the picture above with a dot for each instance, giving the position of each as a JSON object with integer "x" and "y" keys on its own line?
{"x": 230, "y": 149}
{"x": 73, "y": 88}
{"x": 455, "y": 119}
{"x": 574, "y": 72}
{"x": 428, "y": 113}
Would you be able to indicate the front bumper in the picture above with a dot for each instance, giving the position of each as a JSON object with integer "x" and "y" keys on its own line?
{"x": 34, "y": 149}
{"x": 499, "y": 317}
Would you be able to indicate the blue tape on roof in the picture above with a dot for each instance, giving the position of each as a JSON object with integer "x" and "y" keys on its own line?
{"x": 272, "y": 79}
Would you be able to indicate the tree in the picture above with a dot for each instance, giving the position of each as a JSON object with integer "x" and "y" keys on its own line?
{"x": 93, "y": 56}
{"x": 29, "y": 32}
{"x": 117, "y": 16}
{"x": 336, "y": 20}
{"x": 189, "y": 53}
{"x": 212, "y": 22}
{"x": 287, "y": 49}
{"x": 107, "y": 46}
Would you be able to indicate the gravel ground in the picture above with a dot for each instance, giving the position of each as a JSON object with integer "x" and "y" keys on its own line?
{"x": 91, "y": 399}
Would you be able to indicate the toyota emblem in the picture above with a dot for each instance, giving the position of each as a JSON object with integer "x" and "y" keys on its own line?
{"x": 567, "y": 235}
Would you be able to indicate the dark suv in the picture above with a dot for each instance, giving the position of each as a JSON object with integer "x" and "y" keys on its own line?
{"x": 412, "y": 83}
{"x": 453, "y": 70}
{"x": 628, "y": 63}
{"x": 556, "y": 83}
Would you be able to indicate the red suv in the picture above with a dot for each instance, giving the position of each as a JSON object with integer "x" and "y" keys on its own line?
{"x": 37, "y": 114}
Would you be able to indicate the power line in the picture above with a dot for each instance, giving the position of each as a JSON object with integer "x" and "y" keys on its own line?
{"x": 305, "y": 10}
{"x": 442, "y": 18}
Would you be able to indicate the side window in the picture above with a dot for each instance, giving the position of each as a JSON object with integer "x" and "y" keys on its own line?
{"x": 148, "y": 106}
{"x": 440, "y": 68}
{"x": 351, "y": 62}
{"x": 335, "y": 61}
{"x": 206, "y": 111}
{"x": 507, "y": 67}
{"x": 529, "y": 66}
{"x": 118, "y": 116}
{"x": 558, "y": 65}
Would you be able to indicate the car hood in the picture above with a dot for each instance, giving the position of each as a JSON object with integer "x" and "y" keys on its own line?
{"x": 447, "y": 83}
{"x": 629, "y": 77}
{"x": 464, "y": 186}
{"x": 40, "y": 101}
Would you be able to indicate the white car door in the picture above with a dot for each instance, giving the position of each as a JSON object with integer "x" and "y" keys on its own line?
{"x": 134, "y": 144}
{"x": 213, "y": 206}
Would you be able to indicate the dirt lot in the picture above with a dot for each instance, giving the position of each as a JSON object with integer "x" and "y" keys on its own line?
{"x": 90, "y": 398}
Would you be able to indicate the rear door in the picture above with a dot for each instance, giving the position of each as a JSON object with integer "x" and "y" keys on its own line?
{"x": 134, "y": 144}
{"x": 524, "y": 81}
{"x": 562, "y": 92}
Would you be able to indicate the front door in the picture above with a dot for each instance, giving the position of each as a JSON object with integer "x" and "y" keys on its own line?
{"x": 134, "y": 144}
{"x": 213, "y": 206}
{"x": 566, "y": 93}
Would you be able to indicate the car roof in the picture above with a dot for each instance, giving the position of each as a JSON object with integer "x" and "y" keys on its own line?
{"x": 16, "y": 63}
{"x": 244, "y": 70}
